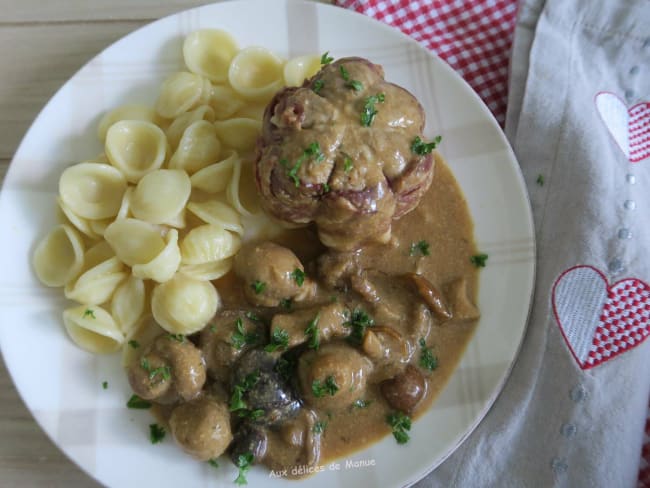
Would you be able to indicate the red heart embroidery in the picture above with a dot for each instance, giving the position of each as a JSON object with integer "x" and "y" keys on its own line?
{"x": 630, "y": 128}
{"x": 598, "y": 321}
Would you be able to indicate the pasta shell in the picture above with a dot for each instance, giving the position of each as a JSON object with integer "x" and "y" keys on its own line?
{"x": 92, "y": 190}
{"x": 163, "y": 266}
{"x": 181, "y": 92}
{"x": 184, "y": 305}
{"x": 125, "y": 207}
{"x": 253, "y": 111}
{"x": 134, "y": 241}
{"x": 208, "y": 52}
{"x": 161, "y": 195}
{"x": 240, "y": 134}
{"x": 128, "y": 303}
{"x": 97, "y": 284}
{"x": 256, "y": 73}
{"x": 58, "y": 258}
{"x": 217, "y": 213}
{"x": 241, "y": 192}
{"x": 96, "y": 254}
{"x": 126, "y": 112}
{"x": 208, "y": 243}
{"x": 79, "y": 223}
{"x": 298, "y": 69}
{"x": 207, "y": 271}
{"x": 135, "y": 147}
{"x": 175, "y": 130}
{"x": 215, "y": 177}
{"x": 225, "y": 101}
{"x": 199, "y": 147}
{"x": 93, "y": 329}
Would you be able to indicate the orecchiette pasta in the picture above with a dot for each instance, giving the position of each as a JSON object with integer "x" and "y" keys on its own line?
{"x": 128, "y": 304}
{"x": 58, "y": 258}
{"x": 215, "y": 177}
{"x": 217, "y": 213}
{"x": 161, "y": 195}
{"x": 92, "y": 328}
{"x": 163, "y": 266}
{"x": 256, "y": 73}
{"x": 208, "y": 243}
{"x": 208, "y": 52}
{"x": 199, "y": 147}
{"x": 176, "y": 129}
{"x": 92, "y": 190}
{"x": 241, "y": 193}
{"x": 97, "y": 284}
{"x": 181, "y": 92}
{"x": 79, "y": 223}
{"x": 225, "y": 101}
{"x": 239, "y": 134}
{"x": 135, "y": 147}
{"x": 127, "y": 112}
{"x": 207, "y": 271}
{"x": 298, "y": 69}
{"x": 184, "y": 305}
{"x": 134, "y": 241}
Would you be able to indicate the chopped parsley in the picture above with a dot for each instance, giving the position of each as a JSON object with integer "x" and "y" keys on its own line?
{"x": 360, "y": 403}
{"x": 279, "y": 340}
{"x": 356, "y": 85}
{"x": 347, "y": 164}
{"x": 359, "y": 321}
{"x": 285, "y": 366}
{"x": 318, "y": 86}
{"x": 240, "y": 337}
{"x": 329, "y": 386}
{"x": 244, "y": 463}
{"x": 137, "y": 403}
{"x": 213, "y": 462}
{"x": 213, "y": 328}
{"x": 253, "y": 316}
{"x": 258, "y": 286}
{"x": 286, "y": 303}
{"x": 176, "y": 337}
{"x": 156, "y": 433}
{"x": 326, "y": 188}
{"x": 540, "y": 179}
{"x": 319, "y": 427}
{"x": 312, "y": 151}
{"x": 427, "y": 359}
{"x": 401, "y": 424}
{"x": 105, "y": 385}
{"x": 237, "y": 401}
{"x": 134, "y": 344}
{"x": 313, "y": 333}
{"x": 369, "y": 110}
{"x": 250, "y": 414}
{"x": 418, "y": 146}
{"x": 479, "y": 260}
{"x": 165, "y": 372}
{"x": 325, "y": 58}
{"x": 89, "y": 313}
{"x": 299, "y": 276}
{"x": 420, "y": 247}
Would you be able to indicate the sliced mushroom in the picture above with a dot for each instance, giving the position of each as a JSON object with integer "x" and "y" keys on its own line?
{"x": 431, "y": 296}
{"x": 461, "y": 305}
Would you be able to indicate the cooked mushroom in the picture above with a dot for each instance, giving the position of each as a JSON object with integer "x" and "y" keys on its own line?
{"x": 404, "y": 391}
{"x": 314, "y": 324}
{"x": 251, "y": 439}
{"x": 431, "y": 296}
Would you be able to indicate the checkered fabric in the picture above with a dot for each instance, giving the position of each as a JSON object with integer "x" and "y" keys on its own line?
{"x": 473, "y": 36}
{"x": 639, "y": 127}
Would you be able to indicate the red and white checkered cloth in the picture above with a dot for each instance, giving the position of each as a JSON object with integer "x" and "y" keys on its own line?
{"x": 473, "y": 36}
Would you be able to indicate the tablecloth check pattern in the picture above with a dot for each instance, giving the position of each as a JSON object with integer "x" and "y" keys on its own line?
{"x": 472, "y": 36}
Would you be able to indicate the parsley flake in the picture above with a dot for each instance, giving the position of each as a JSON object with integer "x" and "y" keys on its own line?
{"x": 279, "y": 340}
{"x": 299, "y": 276}
{"x": 312, "y": 151}
{"x": 540, "y": 179}
{"x": 359, "y": 321}
{"x": 427, "y": 359}
{"x": 156, "y": 433}
{"x": 286, "y": 303}
{"x": 369, "y": 110}
{"x": 213, "y": 462}
{"x": 176, "y": 337}
{"x": 347, "y": 164}
{"x": 105, "y": 385}
{"x": 134, "y": 344}
{"x": 401, "y": 424}
{"x": 258, "y": 286}
{"x": 137, "y": 403}
{"x": 89, "y": 313}
{"x": 479, "y": 260}
{"x": 240, "y": 337}
{"x": 325, "y": 58}
{"x": 421, "y": 247}
{"x": 244, "y": 463}
{"x": 418, "y": 146}
{"x": 319, "y": 427}
{"x": 318, "y": 86}
{"x": 237, "y": 401}
{"x": 165, "y": 372}
{"x": 329, "y": 386}
{"x": 313, "y": 333}
{"x": 356, "y": 85}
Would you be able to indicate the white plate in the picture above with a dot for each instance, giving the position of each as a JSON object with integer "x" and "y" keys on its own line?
{"x": 61, "y": 384}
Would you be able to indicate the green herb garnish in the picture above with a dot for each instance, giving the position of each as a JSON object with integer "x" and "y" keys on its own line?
{"x": 138, "y": 403}
{"x": 156, "y": 433}
{"x": 359, "y": 321}
{"x": 105, "y": 385}
{"x": 312, "y": 151}
{"x": 237, "y": 399}
{"x": 318, "y": 86}
{"x": 356, "y": 85}
{"x": 286, "y": 303}
{"x": 299, "y": 276}
{"x": 213, "y": 462}
{"x": 253, "y": 316}
{"x": 401, "y": 424}
{"x": 240, "y": 337}
{"x": 479, "y": 260}
{"x": 258, "y": 286}
{"x": 421, "y": 247}
{"x": 347, "y": 164}
{"x": 279, "y": 340}
{"x": 325, "y": 58}
{"x": 285, "y": 367}
{"x": 134, "y": 344}
{"x": 329, "y": 386}
{"x": 244, "y": 463}
{"x": 418, "y": 146}
{"x": 176, "y": 337}
{"x": 89, "y": 313}
{"x": 313, "y": 333}
{"x": 319, "y": 427}
{"x": 165, "y": 372}
{"x": 369, "y": 110}
{"x": 540, "y": 179}
{"x": 360, "y": 403}
{"x": 427, "y": 359}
